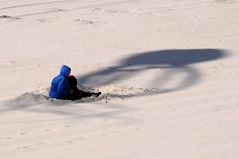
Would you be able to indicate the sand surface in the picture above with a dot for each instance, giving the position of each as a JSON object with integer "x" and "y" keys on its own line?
{"x": 168, "y": 71}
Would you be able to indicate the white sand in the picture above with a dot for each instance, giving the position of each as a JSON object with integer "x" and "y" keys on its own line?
{"x": 168, "y": 70}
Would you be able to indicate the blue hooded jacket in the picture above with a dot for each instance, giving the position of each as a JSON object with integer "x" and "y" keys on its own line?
{"x": 60, "y": 87}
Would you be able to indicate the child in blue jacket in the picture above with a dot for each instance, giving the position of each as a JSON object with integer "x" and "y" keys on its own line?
{"x": 64, "y": 86}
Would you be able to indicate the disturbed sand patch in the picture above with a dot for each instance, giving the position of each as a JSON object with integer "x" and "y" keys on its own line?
{"x": 108, "y": 93}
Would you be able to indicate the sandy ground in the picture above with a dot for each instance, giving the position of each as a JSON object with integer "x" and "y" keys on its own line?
{"x": 168, "y": 71}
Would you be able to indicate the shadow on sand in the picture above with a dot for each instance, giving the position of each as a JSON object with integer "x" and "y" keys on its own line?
{"x": 170, "y": 61}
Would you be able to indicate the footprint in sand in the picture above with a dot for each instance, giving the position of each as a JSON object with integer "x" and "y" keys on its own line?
{"x": 83, "y": 21}
{"x": 47, "y": 130}
{"x": 7, "y": 17}
{"x": 23, "y": 133}
{"x": 67, "y": 126}
{"x": 74, "y": 140}
{"x": 8, "y": 138}
{"x": 22, "y": 147}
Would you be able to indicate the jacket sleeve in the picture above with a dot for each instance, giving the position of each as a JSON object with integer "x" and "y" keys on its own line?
{"x": 64, "y": 88}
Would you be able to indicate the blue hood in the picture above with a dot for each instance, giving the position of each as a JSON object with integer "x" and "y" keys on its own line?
{"x": 65, "y": 70}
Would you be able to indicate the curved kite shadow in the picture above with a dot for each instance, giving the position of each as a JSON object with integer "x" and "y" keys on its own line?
{"x": 171, "y": 61}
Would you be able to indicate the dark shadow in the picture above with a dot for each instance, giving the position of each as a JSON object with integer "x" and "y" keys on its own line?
{"x": 170, "y": 61}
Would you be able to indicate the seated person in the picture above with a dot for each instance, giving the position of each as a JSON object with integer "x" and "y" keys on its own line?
{"x": 64, "y": 86}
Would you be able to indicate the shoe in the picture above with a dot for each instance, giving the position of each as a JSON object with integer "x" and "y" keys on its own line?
{"x": 96, "y": 94}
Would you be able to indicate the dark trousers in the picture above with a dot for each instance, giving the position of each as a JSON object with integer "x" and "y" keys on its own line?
{"x": 77, "y": 94}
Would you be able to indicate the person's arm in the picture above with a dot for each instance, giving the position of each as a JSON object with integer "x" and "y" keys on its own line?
{"x": 64, "y": 88}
